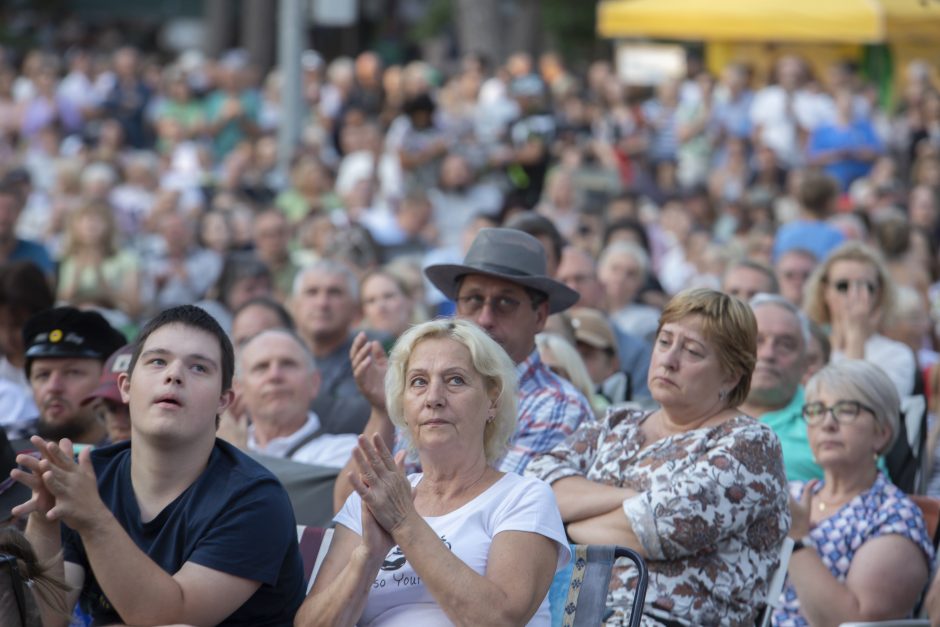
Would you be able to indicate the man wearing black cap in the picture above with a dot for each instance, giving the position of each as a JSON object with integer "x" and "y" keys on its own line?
{"x": 502, "y": 287}
{"x": 65, "y": 350}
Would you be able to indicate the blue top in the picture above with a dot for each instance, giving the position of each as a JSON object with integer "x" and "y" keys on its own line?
{"x": 817, "y": 237}
{"x": 881, "y": 510}
{"x": 26, "y": 250}
{"x": 235, "y": 518}
{"x": 859, "y": 134}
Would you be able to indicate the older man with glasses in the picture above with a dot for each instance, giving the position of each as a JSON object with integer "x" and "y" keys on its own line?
{"x": 502, "y": 286}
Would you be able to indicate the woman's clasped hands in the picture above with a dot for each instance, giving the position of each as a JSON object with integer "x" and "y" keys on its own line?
{"x": 386, "y": 493}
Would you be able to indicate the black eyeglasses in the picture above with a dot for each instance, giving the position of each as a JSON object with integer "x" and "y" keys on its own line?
{"x": 842, "y": 286}
{"x": 844, "y": 412}
{"x": 472, "y": 304}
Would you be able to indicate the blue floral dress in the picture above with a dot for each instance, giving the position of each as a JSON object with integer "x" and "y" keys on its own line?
{"x": 884, "y": 509}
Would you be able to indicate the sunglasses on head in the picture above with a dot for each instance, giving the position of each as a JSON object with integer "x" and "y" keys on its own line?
{"x": 842, "y": 286}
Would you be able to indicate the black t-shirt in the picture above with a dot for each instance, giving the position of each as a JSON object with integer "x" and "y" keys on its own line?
{"x": 235, "y": 518}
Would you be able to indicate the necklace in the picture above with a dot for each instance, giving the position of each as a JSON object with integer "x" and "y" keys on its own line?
{"x": 823, "y": 506}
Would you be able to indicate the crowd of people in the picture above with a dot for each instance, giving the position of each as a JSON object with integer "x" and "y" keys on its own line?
{"x": 507, "y": 307}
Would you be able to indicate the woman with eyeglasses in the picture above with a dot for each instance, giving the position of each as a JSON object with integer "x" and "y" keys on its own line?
{"x": 862, "y": 551}
{"x": 851, "y": 294}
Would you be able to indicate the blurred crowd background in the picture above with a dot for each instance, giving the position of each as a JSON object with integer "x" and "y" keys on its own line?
{"x": 139, "y": 176}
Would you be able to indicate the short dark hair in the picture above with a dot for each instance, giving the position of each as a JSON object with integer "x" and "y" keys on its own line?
{"x": 817, "y": 192}
{"x": 239, "y": 265}
{"x": 24, "y": 289}
{"x": 628, "y": 224}
{"x": 537, "y": 225}
{"x": 197, "y": 318}
{"x": 283, "y": 316}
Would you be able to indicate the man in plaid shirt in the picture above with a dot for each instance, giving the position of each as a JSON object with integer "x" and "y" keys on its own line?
{"x": 502, "y": 287}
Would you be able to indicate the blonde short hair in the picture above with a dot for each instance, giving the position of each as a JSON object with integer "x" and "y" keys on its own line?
{"x": 572, "y": 361}
{"x": 730, "y": 328}
{"x": 814, "y": 296}
{"x": 862, "y": 381}
{"x": 489, "y": 360}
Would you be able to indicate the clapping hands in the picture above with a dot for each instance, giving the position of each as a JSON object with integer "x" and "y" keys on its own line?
{"x": 369, "y": 364}
{"x": 385, "y": 491}
{"x": 63, "y": 489}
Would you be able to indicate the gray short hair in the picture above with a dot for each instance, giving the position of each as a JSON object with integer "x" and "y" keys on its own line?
{"x": 865, "y": 382}
{"x": 309, "y": 359}
{"x": 488, "y": 359}
{"x": 332, "y": 268}
{"x": 626, "y": 248}
{"x": 761, "y": 299}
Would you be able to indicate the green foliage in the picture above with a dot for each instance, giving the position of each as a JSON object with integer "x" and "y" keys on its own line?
{"x": 439, "y": 16}
{"x": 570, "y": 26}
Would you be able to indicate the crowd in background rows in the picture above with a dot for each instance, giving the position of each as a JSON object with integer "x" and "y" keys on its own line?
{"x": 147, "y": 184}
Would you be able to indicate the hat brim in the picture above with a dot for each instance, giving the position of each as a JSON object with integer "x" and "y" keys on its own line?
{"x": 47, "y": 349}
{"x": 444, "y": 277}
{"x": 591, "y": 339}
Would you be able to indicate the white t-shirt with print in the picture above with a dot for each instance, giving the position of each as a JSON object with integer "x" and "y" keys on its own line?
{"x": 399, "y": 598}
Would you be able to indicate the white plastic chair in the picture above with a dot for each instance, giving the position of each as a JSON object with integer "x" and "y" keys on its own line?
{"x": 775, "y": 589}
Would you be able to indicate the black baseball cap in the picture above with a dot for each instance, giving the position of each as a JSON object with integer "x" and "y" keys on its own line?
{"x": 69, "y": 332}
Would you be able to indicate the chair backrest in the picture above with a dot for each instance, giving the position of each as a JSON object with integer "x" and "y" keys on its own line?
{"x": 775, "y": 588}
{"x": 906, "y": 460}
{"x": 587, "y": 593}
{"x": 324, "y": 549}
{"x": 930, "y": 508}
{"x": 309, "y": 539}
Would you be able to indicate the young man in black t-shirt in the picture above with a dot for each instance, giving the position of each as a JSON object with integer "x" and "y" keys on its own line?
{"x": 181, "y": 527}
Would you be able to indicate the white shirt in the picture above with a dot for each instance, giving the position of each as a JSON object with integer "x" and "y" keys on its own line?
{"x": 769, "y": 110}
{"x": 327, "y": 449}
{"x": 398, "y": 597}
{"x": 895, "y": 358}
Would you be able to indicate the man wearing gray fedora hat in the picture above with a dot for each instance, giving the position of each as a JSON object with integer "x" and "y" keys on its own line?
{"x": 502, "y": 286}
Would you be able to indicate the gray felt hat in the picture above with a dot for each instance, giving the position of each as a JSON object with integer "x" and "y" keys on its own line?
{"x": 506, "y": 254}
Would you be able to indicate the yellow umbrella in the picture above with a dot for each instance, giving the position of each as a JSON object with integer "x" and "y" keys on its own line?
{"x": 853, "y": 21}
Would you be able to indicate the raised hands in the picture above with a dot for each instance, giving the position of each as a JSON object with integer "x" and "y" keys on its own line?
{"x": 369, "y": 364}
{"x": 381, "y": 483}
{"x": 856, "y": 321}
{"x": 800, "y": 511}
{"x": 62, "y": 489}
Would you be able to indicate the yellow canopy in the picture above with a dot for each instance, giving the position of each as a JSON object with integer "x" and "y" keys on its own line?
{"x": 854, "y": 21}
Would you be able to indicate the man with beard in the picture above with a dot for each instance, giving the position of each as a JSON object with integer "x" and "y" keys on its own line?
{"x": 776, "y": 396}
{"x": 65, "y": 351}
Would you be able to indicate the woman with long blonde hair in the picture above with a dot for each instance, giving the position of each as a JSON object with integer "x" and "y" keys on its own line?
{"x": 94, "y": 271}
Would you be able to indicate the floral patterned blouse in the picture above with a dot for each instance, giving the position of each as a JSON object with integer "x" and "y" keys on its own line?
{"x": 711, "y": 512}
{"x": 881, "y": 510}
